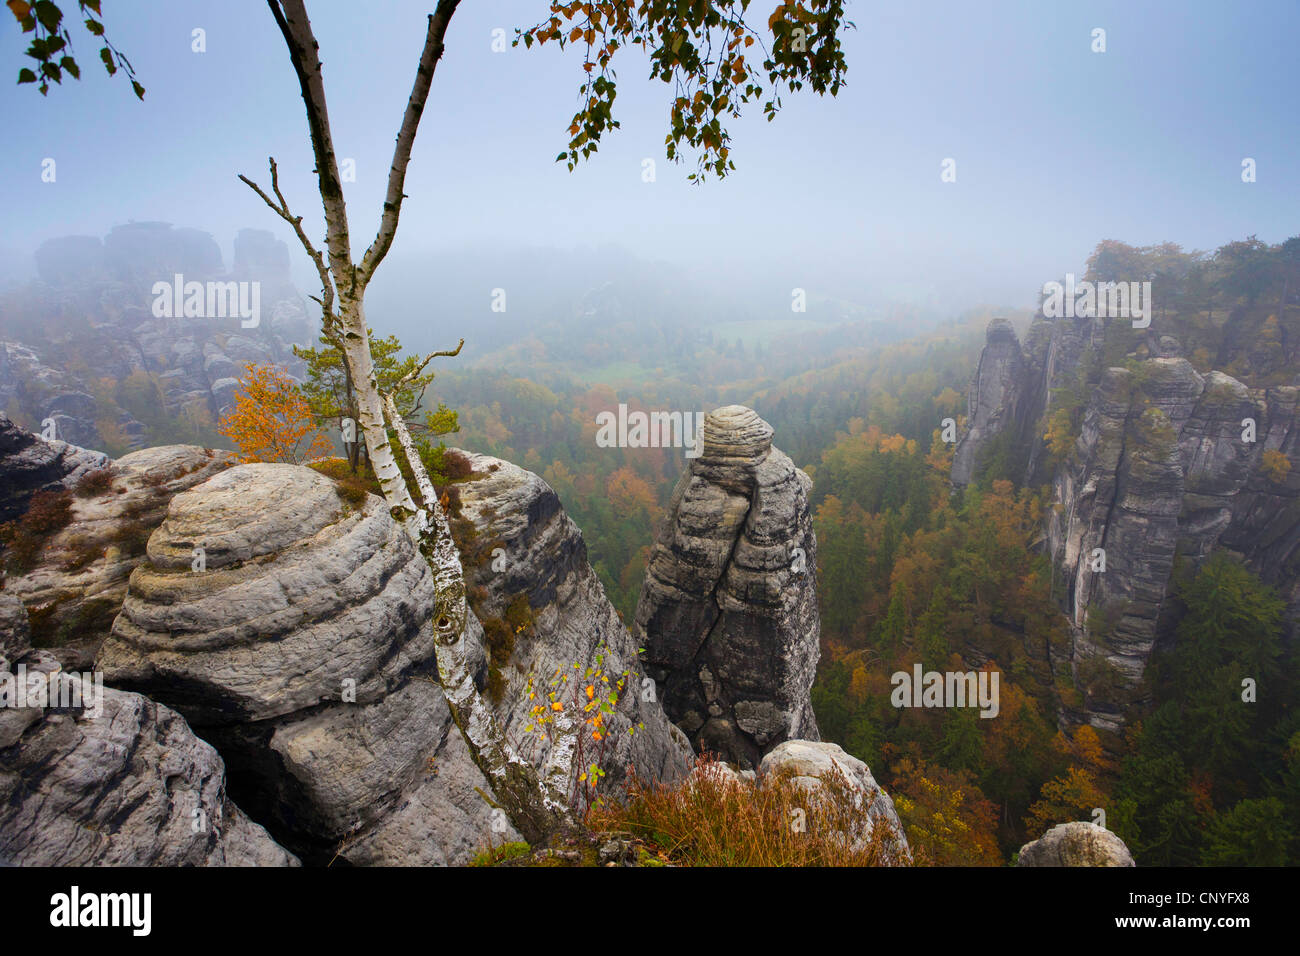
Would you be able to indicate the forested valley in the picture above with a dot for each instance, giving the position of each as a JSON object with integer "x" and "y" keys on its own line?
{"x": 910, "y": 570}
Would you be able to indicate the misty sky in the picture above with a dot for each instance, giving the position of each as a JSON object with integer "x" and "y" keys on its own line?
{"x": 1056, "y": 147}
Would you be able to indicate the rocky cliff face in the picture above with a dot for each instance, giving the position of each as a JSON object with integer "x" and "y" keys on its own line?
{"x": 1000, "y": 399}
{"x": 1164, "y": 466}
{"x": 92, "y": 776}
{"x": 523, "y": 543}
{"x": 302, "y": 649}
{"x": 83, "y": 347}
{"x": 131, "y": 786}
{"x": 728, "y": 614}
{"x": 76, "y": 585}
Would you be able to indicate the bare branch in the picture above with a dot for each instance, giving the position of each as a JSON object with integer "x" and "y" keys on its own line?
{"x": 419, "y": 369}
{"x": 433, "y": 47}
{"x": 282, "y": 210}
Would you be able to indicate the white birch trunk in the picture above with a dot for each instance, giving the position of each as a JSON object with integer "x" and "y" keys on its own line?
{"x": 370, "y": 406}
{"x": 536, "y": 806}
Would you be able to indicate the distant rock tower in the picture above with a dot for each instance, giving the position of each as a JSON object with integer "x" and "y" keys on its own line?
{"x": 728, "y": 614}
{"x": 993, "y": 399}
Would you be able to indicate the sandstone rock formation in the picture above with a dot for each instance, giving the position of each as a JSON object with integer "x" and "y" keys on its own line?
{"x": 997, "y": 398}
{"x": 53, "y": 396}
{"x": 94, "y": 307}
{"x": 808, "y": 763}
{"x": 1076, "y": 844}
{"x": 296, "y": 640}
{"x": 128, "y": 786}
{"x": 79, "y": 580}
{"x": 523, "y": 543}
{"x": 15, "y": 630}
{"x": 728, "y": 614}
{"x": 304, "y": 652}
{"x": 29, "y": 464}
{"x": 1159, "y": 469}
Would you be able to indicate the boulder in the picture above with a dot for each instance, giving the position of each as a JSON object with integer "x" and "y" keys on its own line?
{"x": 1076, "y": 844}
{"x": 77, "y": 585}
{"x": 122, "y": 783}
{"x": 809, "y": 763}
{"x": 303, "y": 649}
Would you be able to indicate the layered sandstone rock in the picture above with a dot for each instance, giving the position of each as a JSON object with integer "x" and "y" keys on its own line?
{"x": 524, "y": 544}
{"x": 77, "y": 584}
{"x": 303, "y": 650}
{"x": 95, "y": 305}
{"x": 728, "y": 614}
{"x": 996, "y": 398}
{"x": 1161, "y": 468}
{"x": 122, "y": 783}
{"x": 29, "y": 463}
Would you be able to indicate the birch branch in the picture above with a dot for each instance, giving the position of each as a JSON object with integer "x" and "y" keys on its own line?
{"x": 281, "y": 209}
{"x": 429, "y": 57}
{"x": 419, "y": 369}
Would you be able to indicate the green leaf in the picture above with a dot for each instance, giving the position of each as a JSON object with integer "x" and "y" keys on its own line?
{"x": 48, "y": 13}
{"x": 106, "y": 55}
{"x": 91, "y": 5}
{"x": 69, "y": 64}
{"x": 95, "y": 27}
{"x": 26, "y": 76}
{"x": 138, "y": 90}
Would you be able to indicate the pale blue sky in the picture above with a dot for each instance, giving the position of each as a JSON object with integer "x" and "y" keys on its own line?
{"x": 1056, "y": 147}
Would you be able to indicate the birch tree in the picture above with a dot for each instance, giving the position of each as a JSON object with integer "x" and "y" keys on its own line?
{"x": 700, "y": 46}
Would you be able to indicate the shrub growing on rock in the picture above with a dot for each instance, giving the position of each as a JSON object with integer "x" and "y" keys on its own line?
{"x": 94, "y": 483}
{"x": 47, "y": 513}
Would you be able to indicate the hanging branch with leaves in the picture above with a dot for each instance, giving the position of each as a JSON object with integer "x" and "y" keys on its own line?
{"x": 51, "y": 45}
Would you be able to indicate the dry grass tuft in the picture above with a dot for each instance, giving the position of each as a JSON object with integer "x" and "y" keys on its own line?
{"x": 712, "y": 820}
